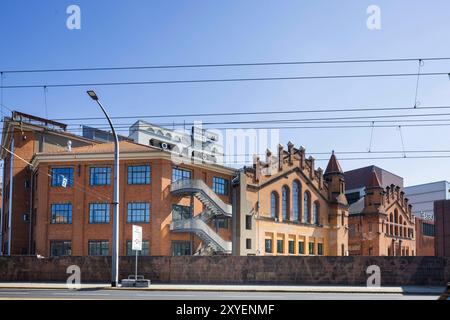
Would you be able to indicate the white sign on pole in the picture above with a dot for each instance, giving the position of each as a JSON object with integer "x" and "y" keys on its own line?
{"x": 137, "y": 238}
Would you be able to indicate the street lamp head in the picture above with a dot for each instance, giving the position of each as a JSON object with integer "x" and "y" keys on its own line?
{"x": 92, "y": 94}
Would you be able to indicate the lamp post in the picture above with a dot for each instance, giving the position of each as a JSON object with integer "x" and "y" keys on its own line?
{"x": 115, "y": 232}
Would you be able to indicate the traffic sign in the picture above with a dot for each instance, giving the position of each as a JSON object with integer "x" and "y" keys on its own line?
{"x": 137, "y": 238}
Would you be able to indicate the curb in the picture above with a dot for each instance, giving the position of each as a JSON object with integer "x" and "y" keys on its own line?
{"x": 362, "y": 290}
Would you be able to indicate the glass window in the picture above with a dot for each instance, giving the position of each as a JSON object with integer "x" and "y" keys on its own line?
{"x": 316, "y": 213}
{"x": 273, "y": 205}
{"x": 181, "y": 248}
{"x": 291, "y": 246}
{"x": 427, "y": 230}
{"x": 180, "y": 174}
{"x": 311, "y": 248}
{"x": 301, "y": 247}
{"x": 268, "y": 245}
{"x": 180, "y": 212}
{"x": 100, "y": 176}
{"x": 61, "y": 176}
{"x": 60, "y": 248}
{"x": 99, "y": 213}
{"x": 220, "y": 186}
{"x": 320, "y": 249}
{"x": 280, "y": 246}
{"x": 98, "y": 248}
{"x": 139, "y": 174}
{"x": 295, "y": 197}
{"x": 284, "y": 203}
{"x": 306, "y": 213}
{"x": 138, "y": 212}
{"x": 222, "y": 223}
{"x": 61, "y": 213}
{"x": 144, "y": 252}
{"x": 248, "y": 243}
{"x": 248, "y": 222}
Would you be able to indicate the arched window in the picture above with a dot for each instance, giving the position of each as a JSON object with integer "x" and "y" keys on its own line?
{"x": 306, "y": 206}
{"x": 396, "y": 216}
{"x": 285, "y": 202}
{"x": 391, "y": 218}
{"x": 295, "y": 200}
{"x": 316, "y": 212}
{"x": 273, "y": 205}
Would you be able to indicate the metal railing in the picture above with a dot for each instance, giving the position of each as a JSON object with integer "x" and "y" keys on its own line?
{"x": 198, "y": 226}
{"x": 194, "y": 186}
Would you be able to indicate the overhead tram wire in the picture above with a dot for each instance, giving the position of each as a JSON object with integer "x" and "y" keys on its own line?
{"x": 254, "y": 113}
{"x": 217, "y": 80}
{"x": 220, "y": 65}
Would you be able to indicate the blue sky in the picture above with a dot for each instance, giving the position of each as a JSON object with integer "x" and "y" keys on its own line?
{"x": 33, "y": 35}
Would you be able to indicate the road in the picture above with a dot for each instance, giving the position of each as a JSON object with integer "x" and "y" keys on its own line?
{"x": 195, "y": 295}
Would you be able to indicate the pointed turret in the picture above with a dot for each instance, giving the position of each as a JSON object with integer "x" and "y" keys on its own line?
{"x": 333, "y": 165}
{"x": 374, "y": 194}
{"x": 373, "y": 182}
{"x": 334, "y": 176}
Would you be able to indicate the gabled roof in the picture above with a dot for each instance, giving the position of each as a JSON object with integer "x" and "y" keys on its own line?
{"x": 333, "y": 165}
{"x": 374, "y": 182}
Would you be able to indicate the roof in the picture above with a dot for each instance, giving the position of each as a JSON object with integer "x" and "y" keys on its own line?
{"x": 124, "y": 146}
{"x": 105, "y": 150}
{"x": 360, "y": 178}
{"x": 356, "y": 207}
{"x": 374, "y": 182}
{"x": 333, "y": 165}
{"x": 30, "y": 123}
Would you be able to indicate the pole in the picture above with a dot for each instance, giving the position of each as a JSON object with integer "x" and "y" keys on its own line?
{"x": 115, "y": 231}
{"x": 10, "y": 197}
{"x": 135, "y": 270}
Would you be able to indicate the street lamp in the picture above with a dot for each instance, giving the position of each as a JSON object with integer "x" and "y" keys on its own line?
{"x": 115, "y": 233}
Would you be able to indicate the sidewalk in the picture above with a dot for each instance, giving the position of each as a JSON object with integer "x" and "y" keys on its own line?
{"x": 425, "y": 290}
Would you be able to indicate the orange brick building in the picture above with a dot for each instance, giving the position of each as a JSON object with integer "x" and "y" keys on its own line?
{"x": 381, "y": 223}
{"x": 288, "y": 207}
{"x": 171, "y": 202}
{"x": 25, "y": 135}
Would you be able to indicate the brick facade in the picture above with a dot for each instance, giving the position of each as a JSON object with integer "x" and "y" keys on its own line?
{"x": 383, "y": 225}
{"x": 442, "y": 227}
{"x": 295, "y": 208}
{"x": 156, "y": 193}
{"x": 26, "y": 139}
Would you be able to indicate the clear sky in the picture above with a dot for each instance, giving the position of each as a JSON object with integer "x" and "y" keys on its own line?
{"x": 33, "y": 35}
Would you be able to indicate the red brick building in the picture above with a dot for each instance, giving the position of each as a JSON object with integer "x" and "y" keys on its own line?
{"x": 381, "y": 223}
{"x": 171, "y": 202}
{"x": 25, "y": 135}
{"x": 442, "y": 227}
{"x": 425, "y": 237}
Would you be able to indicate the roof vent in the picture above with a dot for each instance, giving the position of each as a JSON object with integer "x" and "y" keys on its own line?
{"x": 69, "y": 146}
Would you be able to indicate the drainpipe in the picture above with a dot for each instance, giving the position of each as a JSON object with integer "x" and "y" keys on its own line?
{"x": 30, "y": 215}
{"x": 1, "y": 215}
{"x": 11, "y": 180}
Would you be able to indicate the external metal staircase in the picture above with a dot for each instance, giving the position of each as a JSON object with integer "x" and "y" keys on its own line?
{"x": 214, "y": 207}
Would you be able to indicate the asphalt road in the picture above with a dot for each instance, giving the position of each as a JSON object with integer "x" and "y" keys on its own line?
{"x": 195, "y": 295}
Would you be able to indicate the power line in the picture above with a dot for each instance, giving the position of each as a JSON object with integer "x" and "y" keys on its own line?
{"x": 326, "y": 110}
{"x": 247, "y": 64}
{"x": 127, "y": 83}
